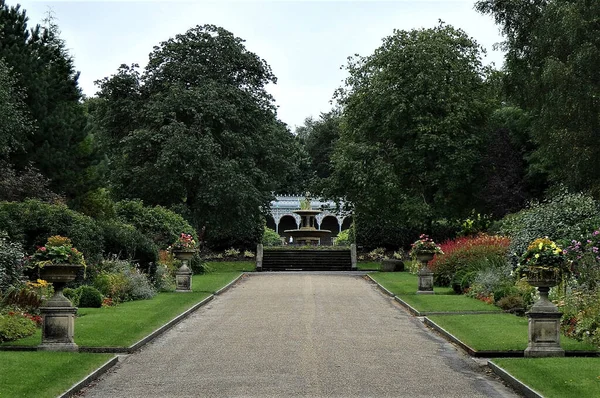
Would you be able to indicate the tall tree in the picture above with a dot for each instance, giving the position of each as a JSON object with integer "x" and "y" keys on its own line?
{"x": 15, "y": 123}
{"x": 553, "y": 72}
{"x": 197, "y": 131}
{"x": 413, "y": 115}
{"x": 319, "y": 137}
{"x": 44, "y": 70}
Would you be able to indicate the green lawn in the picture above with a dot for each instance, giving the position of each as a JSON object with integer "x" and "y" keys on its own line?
{"x": 368, "y": 265}
{"x": 231, "y": 266}
{"x": 404, "y": 285}
{"x": 44, "y": 374}
{"x": 556, "y": 377}
{"x": 127, "y": 323}
{"x": 500, "y": 332}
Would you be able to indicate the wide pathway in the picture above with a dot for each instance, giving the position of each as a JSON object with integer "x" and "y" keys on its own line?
{"x": 299, "y": 335}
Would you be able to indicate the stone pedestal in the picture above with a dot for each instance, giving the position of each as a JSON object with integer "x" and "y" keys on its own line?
{"x": 544, "y": 328}
{"x": 425, "y": 281}
{"x": 58, "y": 323}
{"x": 183, "y": 276}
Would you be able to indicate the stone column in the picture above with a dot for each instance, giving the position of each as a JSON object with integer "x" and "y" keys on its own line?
{"x": 353, "y": 257}
{"x": 259, "y": 257}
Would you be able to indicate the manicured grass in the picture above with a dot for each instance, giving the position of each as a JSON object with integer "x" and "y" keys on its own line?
{"x": 404, "y": 283}
{"x": 44, "y": 374}
{"x": 493, "y": 332}
{"x": 127, "y": 323}
{"x": 368, "y": 266}
{"x": 231, "y": 266}
{"x": 556, "y": 377}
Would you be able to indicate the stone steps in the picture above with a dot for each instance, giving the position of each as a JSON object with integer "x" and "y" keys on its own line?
{"x": 306, "y": 260}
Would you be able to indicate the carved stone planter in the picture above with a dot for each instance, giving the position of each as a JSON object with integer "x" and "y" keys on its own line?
{"x": 392, "y": 265}
{"x": 58, "y": 314}
{"x": 544, "y": 318}
{"x": 183, "y": 276}
{"x": 425, "y": 275}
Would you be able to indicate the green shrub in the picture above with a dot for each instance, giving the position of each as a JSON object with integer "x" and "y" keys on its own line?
{"x": 125, "y": 241}
{"x": 96, "y": 204}
{"x": 581, "y": 316}
{"x": 11, "y": 264}
{"x": 562, "y": 218}
{"x": 161, "y": 225}
{"x": 343, "y": 238}
{"x": 89, "y": 297}
{"x": 73, "y": 295}
{"x": 14, "y": 326}
{"x": 32, "y": 222}
{"x": 511, "y": 302}
{"x": 121, "y": 281}
{"x": 271, "y": 238}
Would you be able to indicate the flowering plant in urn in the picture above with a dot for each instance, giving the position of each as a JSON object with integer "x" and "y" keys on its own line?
{"x": 425, "y": 245}
{"x": 185, "y": 242}
{"x": 543, "y": 257}
{"x": 58, "y": 250}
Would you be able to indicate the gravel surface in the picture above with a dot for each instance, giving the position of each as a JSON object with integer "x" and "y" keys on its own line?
{"x": 299, "y": 335}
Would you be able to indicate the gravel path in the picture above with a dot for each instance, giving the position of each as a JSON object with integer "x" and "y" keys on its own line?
{"x": 299, "y": 335}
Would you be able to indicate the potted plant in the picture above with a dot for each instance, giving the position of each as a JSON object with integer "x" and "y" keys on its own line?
{"x": 424, "y": 249}
{"x": 184, "y": 249}
{"x": 543, "y": 263}
{"x": 58, "y": 261}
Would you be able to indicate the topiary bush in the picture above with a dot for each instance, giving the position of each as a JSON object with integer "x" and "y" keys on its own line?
{"x": 89, "y": 297}
{"x": 32, "y": 222}
{"x": 160, "y": 225}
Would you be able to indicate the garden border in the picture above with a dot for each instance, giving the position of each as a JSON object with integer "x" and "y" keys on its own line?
{"x": 513, "y": 381}
{"x": 77, "y": 387}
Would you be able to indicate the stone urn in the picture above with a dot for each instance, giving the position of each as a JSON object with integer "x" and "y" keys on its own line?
{"x": 425, "y": 275}
{"x": 544, "y": 317}
{"x": 58, "y": 313}
{"x": 183, "y": 276}
{"x": 392, "y": 265}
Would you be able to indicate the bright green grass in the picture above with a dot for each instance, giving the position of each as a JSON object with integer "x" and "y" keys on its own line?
{"x": 368, "y": 266}
{"x": 556, "y": 377}
{"x": 500, "y": 332}
{"x": 404, "y": 283}
{"x": 231, "y": 266}
{"x": 127, "y": 323}
{"x": 44, "y": 374}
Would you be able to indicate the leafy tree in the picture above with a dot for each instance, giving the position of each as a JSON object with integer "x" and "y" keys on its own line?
{"x": 44, "y": 70}
{"x": 15, "y": 124}
{"x": 553, "y": 64}
{"x": 413, "y": 115}
{"x": 319, "y": 138}
{"x": 196, "y": 131}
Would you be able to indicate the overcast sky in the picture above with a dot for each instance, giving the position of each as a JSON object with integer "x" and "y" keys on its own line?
{"x": 305, "y": 42}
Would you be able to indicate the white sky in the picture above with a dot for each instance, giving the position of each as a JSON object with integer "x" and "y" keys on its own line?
{"x": 304, "y": 42}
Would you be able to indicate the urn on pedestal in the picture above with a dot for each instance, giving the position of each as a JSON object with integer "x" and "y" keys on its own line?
{"x": 184, "y": 249}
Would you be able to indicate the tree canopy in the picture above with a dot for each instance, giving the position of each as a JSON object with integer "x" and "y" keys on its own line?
{"x": 197, "y": 131}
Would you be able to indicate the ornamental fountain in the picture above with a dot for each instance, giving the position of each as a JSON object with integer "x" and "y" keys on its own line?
{"x": 307, "y": 234}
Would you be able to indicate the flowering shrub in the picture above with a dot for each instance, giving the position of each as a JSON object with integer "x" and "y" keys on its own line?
{"x": 58, "y": 250}
{"x": 16, "y": 325}
{"x": 581, "y": 316}
{"x": 232, "y": 252}
{"x": 585, "y": 257}
{"x": 248, "y": 254}
{"x": 542, "y": 254}
{"x": 483, "y": 251}
{"x": 376, "y": 254}
{"x": 184, "y": 242}
{"x": 121, "y": 281}
{"x": 424, "y": 245}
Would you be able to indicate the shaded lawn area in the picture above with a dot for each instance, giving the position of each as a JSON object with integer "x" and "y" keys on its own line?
{"x": 368, "y": 266}
{"x": 44, "y": 374}
{"x": 556, "y": 377}
{"x": 404, "y": 285}
{"x": 127, "y": 323}
{"x": 493, "y": 332}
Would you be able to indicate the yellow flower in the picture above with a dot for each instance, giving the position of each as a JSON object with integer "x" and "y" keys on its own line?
{"x": 541, "y": 245}
{"x": 537, "y": 255}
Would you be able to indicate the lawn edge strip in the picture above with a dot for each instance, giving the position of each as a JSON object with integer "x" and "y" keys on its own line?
{"x": 136, "y": 346}
{"x": 514, "y": 382}
{"x": 409, "y": 307}
{"x": 230, "y": 284}
{"x": 472, "y": 352}
{"x": 75, "y": 388}
{"x": 380, "y": 286}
